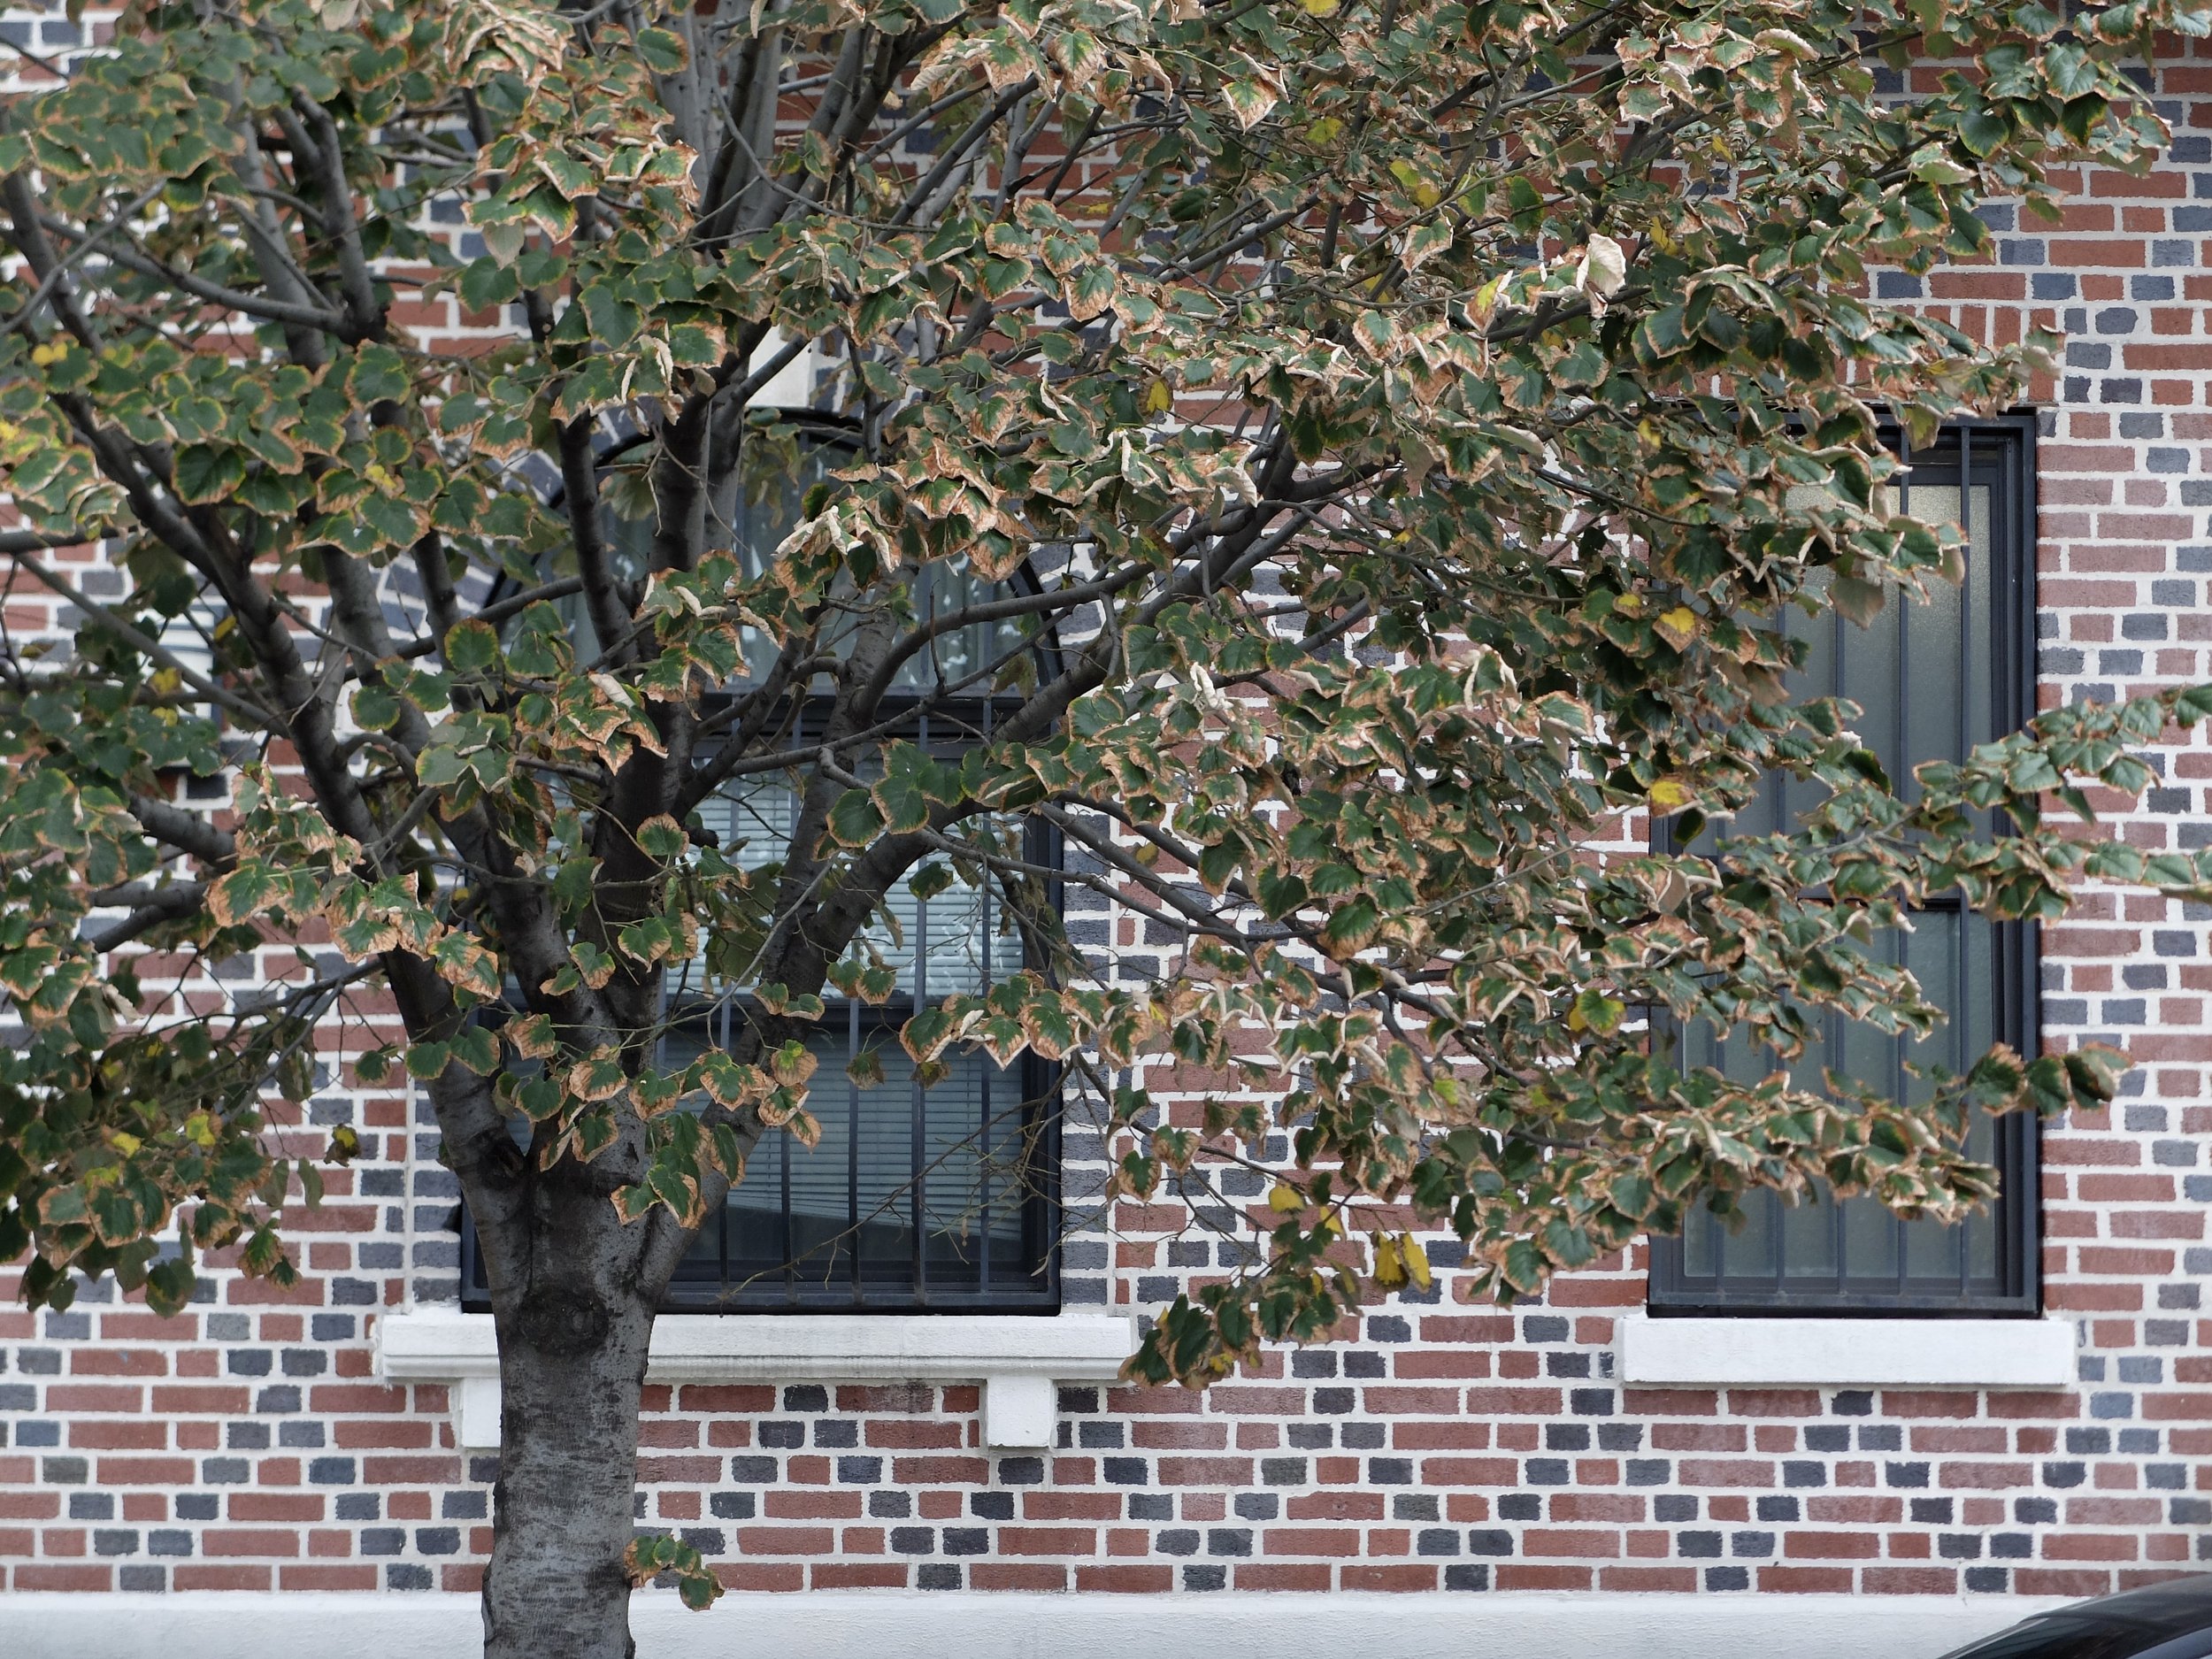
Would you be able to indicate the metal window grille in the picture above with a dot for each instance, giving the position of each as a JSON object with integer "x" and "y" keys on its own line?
{"x": 938, "y": 1193}
{"x": 1934, "y": 679}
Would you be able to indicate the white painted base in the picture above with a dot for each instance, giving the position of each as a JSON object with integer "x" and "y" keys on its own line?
{"x": 861, "y": 1625}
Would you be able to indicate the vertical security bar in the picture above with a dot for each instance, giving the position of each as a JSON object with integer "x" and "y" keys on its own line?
{"x": 852, "y": 1149}
{"x": 1959, "y": 1053}
{"x": 917, "y": 1132}
{"x": 983, "y": 1073}
{"x": 1897, "y": 733}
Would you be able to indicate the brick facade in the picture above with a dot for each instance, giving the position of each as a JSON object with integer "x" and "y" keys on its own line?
{"x": 247, "y": 1445}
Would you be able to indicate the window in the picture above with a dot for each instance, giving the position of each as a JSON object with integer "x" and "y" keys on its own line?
{"x": 918, "y": 1195}
{"x": 934, "y": 1192}
{"x": 1932, "y": 680}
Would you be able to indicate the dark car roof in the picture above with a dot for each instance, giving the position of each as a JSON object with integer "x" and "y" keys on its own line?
{"x": 2175, "y": 1605}
{"x": 2134, "y": 1624}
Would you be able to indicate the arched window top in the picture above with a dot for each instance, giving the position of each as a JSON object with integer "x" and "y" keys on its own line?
{"x": 764, "y": 509}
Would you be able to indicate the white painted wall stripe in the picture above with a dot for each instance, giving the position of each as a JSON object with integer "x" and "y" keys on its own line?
{"x": 848, "y": 1625}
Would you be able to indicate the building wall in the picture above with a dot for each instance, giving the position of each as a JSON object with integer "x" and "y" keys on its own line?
{"x": 246, "y": 1445}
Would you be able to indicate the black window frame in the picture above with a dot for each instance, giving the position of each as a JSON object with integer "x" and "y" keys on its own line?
{"x": 2000, "y": 451}
{"x": 789, "y": 1288}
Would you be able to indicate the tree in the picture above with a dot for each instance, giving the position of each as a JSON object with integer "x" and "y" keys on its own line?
{"x": 1435, "y": 407}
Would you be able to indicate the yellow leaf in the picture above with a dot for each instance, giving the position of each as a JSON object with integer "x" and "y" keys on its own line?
{"x": 1285, "y": 1199}
{"x": 125, "y": 1143}
{"x": 1159, "y": 398}
{"x": 1678, "y": 627}
{"x": 1319, "y": 8}
{"x": 1390, "y": 1267}
{"x": 1417, "y": 1261}
{"x": 1668, "y": 795}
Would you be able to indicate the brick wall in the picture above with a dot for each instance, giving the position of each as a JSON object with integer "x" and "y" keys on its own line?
{"x": 246, "y": 1444}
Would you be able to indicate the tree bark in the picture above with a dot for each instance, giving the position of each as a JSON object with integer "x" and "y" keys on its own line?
{"x": 573, "y": 1340}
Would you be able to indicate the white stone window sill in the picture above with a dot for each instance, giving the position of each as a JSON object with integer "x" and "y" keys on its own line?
{"x": 1019, "y": 1361}
{"x": 1846, "y": 1353}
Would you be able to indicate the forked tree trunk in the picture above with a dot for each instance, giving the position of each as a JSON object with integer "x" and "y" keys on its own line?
{"x": 572, "y": 1366}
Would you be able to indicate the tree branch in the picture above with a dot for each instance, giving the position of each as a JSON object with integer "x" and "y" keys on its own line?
{"x": 139, "y": 639}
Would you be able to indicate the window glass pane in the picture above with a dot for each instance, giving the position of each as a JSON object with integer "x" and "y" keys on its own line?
{"x": 961, "y": 938}
{"x": 886, "y": 1151}
{"x": 1808, "y": 1237}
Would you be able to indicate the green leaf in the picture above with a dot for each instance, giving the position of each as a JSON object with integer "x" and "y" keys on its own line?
{"x": 472, "y": 647}
{"x": 662, "y": 51}
{"x": 1859, "y": 601}
{"x": 855, "y": 820}
{"x": 205, "y": 474}
{"x": 901, "y": 802}
{"x": 427, "y": 1061}
{"x": 661, "y": 837}
{"x": 379, "y": 372}
{"x": 375, "y": 707}
{"x": 477, "y": 1049}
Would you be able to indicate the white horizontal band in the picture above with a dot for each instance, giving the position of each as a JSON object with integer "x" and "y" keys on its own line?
{"x": 845, "y": 1624}
{"x": 440, "y": 1345}
{"x": 1847, "y": 1353}
{"x": 1017, "y": 1360}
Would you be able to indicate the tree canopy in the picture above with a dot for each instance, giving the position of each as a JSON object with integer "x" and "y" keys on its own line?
{"x": 1408, "y": 423}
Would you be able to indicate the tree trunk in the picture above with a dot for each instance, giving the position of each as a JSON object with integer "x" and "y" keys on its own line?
{"x": 572, "y": 1365}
